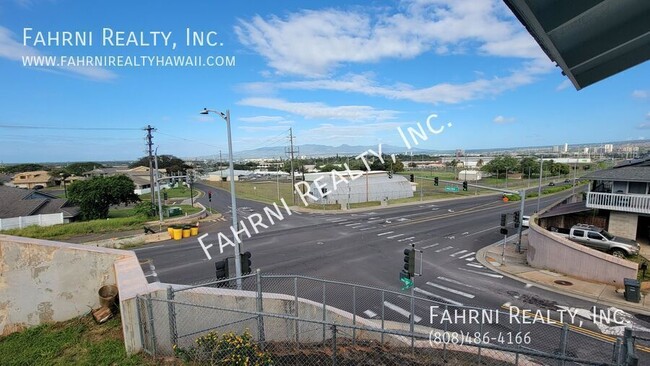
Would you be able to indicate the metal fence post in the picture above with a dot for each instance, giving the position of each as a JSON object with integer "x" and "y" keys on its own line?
{"x": 563, "y": 341}
{"x": 151, "y": 325}
{"x": 444, "y": 344}
{"x": 383, "y": 294}
{"x": 171, "y": 312}
{"x": 616, "y": 353}
{"x": 412, "y": 320}
{"x": 354, "y": 313}
{"x": 480, "y": 332}
{"x": 260, "y": 309}
{"x": 141, "y": 324}
{"x": 295, "y": 296}
{"x": 334, "y": 345}
{"x": 518, "y": 348}
{"x": 324, "y": 312}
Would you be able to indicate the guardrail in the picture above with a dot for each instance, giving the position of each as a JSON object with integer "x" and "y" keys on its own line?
{"x": 638, "y": 203}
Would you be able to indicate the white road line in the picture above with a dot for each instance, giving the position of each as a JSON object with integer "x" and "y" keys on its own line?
{"x": 151, "y": 247}
{"x": 351, "y": 224}
{"x": 470, "y": 259}
{"x": 343, "y": 222}
{"x": 465, "y": 233}
{"x": 481, "y": 273}
{"x": 386, "y": 233}
{"x": 482, "y": 231}
{"x": 374, "y": 221}
{"x": 370, "y": 313}
{"x": 394, "y": 236}
{"x": 455, "y": 282}
{"x": 356, "y": 226}
{"x": 427, "y": 293}
{"x": 455, "y": 254}
{"x": 405, "y": 239}
{"x": 467, "y": 255}
{"x": 453, "y": 291}
{"x": 431, "y": 246}
{"x": 401, "y": 311}
{"x": 367, "y": 228}
{"x": 475, "y": 265}
{"x": 443, "y": 249}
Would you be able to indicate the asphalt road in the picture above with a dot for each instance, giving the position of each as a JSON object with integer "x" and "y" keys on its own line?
{"x": 367, "y": 248}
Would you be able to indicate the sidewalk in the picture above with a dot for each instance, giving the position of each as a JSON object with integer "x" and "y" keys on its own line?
{"x": 514, "y": 265}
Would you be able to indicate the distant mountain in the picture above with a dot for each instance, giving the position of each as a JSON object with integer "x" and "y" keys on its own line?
{"x": 313, "y": 150}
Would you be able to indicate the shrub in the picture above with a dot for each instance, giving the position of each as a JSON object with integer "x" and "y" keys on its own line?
{"x": 227, "y": 349}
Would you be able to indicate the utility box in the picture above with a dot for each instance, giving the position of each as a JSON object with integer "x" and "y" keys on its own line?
{"x": 632, "y": 290}
{"x": 174, "y": 211}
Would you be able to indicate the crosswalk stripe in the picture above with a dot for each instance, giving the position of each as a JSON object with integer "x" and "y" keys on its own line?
{"x": 386, "y": 233}
{"x": 374, "y": 221}
{"x": 352, "y": 224}
{"x": 394, "y": 236}
{"x": 427, "y": 293}
{"x": 431, "y": 246}
{"x": 455, "y": 254}
{"x": 405, "y": 239}
{"x": 476, "y": 265}
{"x": 401, "y": 311}
{"x": 453, "y": 291}
{"x": 370, "y": 313}
{"x": 367, "y": 228}
{"x": 482, "y": 273}
{"x": 470, "y": 259}
{"x": 467, "y": 255}
{"x": 454, "y": 281}
{"x": 443, "y": 249}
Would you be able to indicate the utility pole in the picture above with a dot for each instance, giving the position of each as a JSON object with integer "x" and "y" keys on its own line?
{"x": 220, "y": 169}
{"x": 291, "y": 151}
{"x": 539, "y": 189}
{"x": 149, "y": 129}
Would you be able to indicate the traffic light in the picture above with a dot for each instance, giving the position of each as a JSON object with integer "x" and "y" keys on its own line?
{"x": 210, "y": 196}
{"x": 390, "y": 174}
{"x": 503, "y": 220}
{"x": 221, "y": 268}
{"x": 409, "y": 263}
{"x": 516, "y": 218}
{"x": 245, "y": 263}
{"x": 464, "y": 185}
{"x": 435, "y": 181}
{"x": 412, "y": 178}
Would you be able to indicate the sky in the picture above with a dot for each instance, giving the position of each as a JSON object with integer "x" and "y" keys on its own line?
{"x": 336, "y": 72}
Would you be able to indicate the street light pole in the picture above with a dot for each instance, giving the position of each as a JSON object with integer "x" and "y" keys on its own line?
{"x": 539, "y": 189}
{"x": 233, "y": 198}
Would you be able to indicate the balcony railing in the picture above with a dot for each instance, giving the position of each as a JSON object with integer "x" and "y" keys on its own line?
{"x": 639, "y": 203}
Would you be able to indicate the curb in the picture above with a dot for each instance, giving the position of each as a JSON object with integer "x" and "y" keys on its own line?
{"x": 480, "y": 257}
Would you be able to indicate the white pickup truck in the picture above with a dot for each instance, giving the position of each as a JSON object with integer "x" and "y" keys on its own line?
{"x": 599, "y": 239}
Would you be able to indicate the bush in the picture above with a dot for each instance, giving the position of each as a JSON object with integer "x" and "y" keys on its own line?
{"x": 145, "y": 209}
{"x": 229, "y": 349}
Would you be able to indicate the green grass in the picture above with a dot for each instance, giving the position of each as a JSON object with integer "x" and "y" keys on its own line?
{"x": 176, "y": 192}
{"x": 75, "y": 342}
{"x": 122, "y": 219}
{"x": 264, "y": 191}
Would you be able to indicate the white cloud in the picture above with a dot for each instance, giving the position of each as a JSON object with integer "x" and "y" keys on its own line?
{"x": 563, "y": 85}
{"x": 331, "y": 37}
{"x": 256, "y": 119}
{"x": 439, "y": 93}
{"x": 366, "y": 134}
{"x": 263, "y": 128}
{"x": 640, "y": 94}
{"x": 503, "y": 120}
{"x": 14, "y": 51}
{"x": 321, "y": 110}
{"x": 647, "y": 116}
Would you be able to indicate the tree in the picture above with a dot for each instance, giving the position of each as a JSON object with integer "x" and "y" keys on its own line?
{"x": 501, "y": 164}
{"x": 19, "y": 168}
{"x": 330, "y": 167}
{"x": 529, "y": 164}
{"x": 397, "y": 166}
{"x": 169, "y": 162}
{"x": 95, "y": 196}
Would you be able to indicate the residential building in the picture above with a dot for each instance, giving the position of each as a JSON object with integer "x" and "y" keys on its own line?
{"x": 470, "y": 175}
{"x": 33, "y": 180}
{"x": 22, "y": 204}
{"x": 139, "y": 175}
{"x": 623, "y": 193}
{"x": 609, "y": 148}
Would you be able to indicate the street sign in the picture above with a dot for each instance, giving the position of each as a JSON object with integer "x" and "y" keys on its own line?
{"x": 451, "y": 189}
{"x": 408, "y": 283}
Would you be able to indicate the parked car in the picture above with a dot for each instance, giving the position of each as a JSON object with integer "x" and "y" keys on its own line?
{"x": 551, "y": 184}
{"x": 599, "y": 239}
{"x": 567, "y": 181}
{"x": 525, "y": 221}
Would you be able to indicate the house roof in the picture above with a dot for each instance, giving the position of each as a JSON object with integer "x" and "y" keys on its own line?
{"x": 566, "y": 209}
{"x": 39, "y": 176}
{"x": 589, "y": 40}
{"x": 15, "y": 202}
{"x": 633, "y": 171}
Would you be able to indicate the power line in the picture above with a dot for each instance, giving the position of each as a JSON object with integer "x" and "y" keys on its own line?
{"x": 70, "y": 128}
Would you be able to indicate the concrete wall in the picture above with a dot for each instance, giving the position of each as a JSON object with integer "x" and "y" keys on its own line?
{"x": 561, "y": 255}
{"x": 45, "y": 281}
{"x": 623, "y": 224}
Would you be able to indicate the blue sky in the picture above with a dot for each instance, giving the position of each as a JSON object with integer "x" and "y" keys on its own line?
{"x": 337, "y": 72}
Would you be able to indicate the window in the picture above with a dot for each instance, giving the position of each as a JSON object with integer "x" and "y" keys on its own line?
{"x": 606, "y": 234}
{"x": 579, "y": 233}
{"x": 593, "y": 235}
{"x": 638, "y": 187}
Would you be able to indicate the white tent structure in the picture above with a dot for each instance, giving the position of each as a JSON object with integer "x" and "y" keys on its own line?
{"x": 356, "y": 186}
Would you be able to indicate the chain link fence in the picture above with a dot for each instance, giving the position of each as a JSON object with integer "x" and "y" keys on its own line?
{"x": 296, "y": 320}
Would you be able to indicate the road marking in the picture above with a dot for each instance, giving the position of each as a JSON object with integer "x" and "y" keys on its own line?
{"x": 296, "y": 212}
{"x": 401, "y": 219}
{"x": 529, "y": 285}
{"x": 356, "y": 226}
{"x": 482, "y": 231}
{"x": 465, "y": 233}
{"x": 386, "y": 233}
{"x": 427, "y": 293}
{"x": 453, "y": 291}
{"x": 443, "y": 249}
{"x": 481, "y": 273}
{"x": 145, "y": 248}
{"x": 430, "y": 246}
{"x": 451, "y": 237}
{"x": 455, "y": 282}
{"x": 455, "y": 254}
{"x": 374, "y": 221}
{"x": 467, "y": 255}
{"x": 367, "y": 228}
{"x": 343, "y": 222}
{"x": 370, "y": 313}
{"x": 475, "y": 265}
{"x": 354, "y": 223}
{"x": 401, "y": 311}
{"x": 394, "y": 236}
{"x": 470, "y": 259}
{"x": 405, "y": 239}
